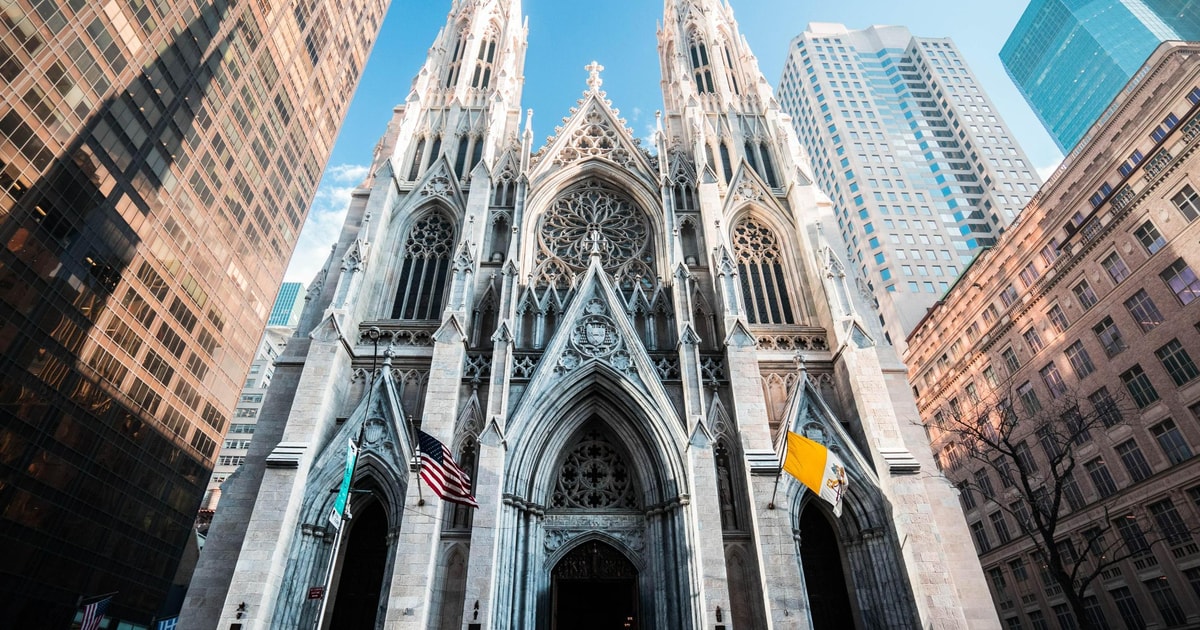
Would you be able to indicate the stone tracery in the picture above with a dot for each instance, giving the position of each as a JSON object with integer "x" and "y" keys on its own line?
{"x": 594, "y": 476}
{"x": 594, "y": 217}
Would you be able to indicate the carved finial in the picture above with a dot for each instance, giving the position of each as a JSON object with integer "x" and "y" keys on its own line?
{"x": 594, "y": 81}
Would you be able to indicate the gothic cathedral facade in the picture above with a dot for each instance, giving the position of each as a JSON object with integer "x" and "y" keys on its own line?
{"x": 613, "y": 341}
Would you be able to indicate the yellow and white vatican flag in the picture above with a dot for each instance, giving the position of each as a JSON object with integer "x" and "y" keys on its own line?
{"x": 818, "y": 468}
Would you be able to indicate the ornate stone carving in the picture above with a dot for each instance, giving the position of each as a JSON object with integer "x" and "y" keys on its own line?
{"x": 596, "y": 137}
{"x": 594, "y": 217}
{"x": 439, "y": 186}
{"x": 594, "y": 476}
{"x": 594, "y": 561}
{"x": 595, "y": 336}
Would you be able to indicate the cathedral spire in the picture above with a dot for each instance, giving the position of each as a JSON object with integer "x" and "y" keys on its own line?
{"x": 704, "y": 55}
{"x": 465, "y": 102}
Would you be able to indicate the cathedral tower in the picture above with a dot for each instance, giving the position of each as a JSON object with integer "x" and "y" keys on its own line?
{"x": 613, "y": 342}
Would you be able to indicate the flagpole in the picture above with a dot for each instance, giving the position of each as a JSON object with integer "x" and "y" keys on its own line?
{"x": 782, "y": 459}
{"x": 412, "y": 429}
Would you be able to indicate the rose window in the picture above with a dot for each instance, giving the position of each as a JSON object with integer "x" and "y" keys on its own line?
{"x": 594, "y": 218}
{"x": 594, "y": 476}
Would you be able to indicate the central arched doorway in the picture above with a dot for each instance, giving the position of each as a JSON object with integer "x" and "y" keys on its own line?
{"x": 594, "y": 587}
{"x": 820, "y": 554}
{"x": 361, "y": 582}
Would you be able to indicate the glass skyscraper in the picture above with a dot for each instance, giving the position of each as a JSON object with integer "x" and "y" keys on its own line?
{"x": 1070, "y": 58}
{"x": 922, "y": 170}
{"x": 157, "y": 158}
{"x": 288, "y": 305}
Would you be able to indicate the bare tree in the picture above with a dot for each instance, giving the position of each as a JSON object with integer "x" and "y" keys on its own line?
{"x": 1041, "y": 491}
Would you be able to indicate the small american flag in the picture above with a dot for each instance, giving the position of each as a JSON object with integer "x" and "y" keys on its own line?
{"x": 444, "y": 477}
{"x": 93, "y": 614}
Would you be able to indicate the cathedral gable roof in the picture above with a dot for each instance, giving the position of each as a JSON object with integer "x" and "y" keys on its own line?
{"x": 596, "y": 333}
{"x": 594, "y": 131}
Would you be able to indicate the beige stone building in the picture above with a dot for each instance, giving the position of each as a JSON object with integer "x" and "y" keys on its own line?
{"x": 1091, "y": 293}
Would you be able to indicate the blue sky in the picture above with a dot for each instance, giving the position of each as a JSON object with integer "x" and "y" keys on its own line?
{"x": 564, "y": 36}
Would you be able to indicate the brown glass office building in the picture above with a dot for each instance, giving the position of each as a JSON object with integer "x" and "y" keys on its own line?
{"x": 157, "y": 158}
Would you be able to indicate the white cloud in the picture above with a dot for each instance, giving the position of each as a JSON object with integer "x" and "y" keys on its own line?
{"x": 1046, "y": 171}
{"x": 648, "y": 139}
{"x": 347, "y": 173}
{"x": 637, "y": 113}
{"x": 325, "y": 220}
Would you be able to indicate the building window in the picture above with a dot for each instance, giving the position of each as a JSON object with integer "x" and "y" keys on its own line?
{"x": 983, "y": 481}
{"x": 1134, "y": 461}
{"x": 989, "y": 375}
{"x": 1084, "y": 293}
{"x": 701, "y": 68}
{"x": 1176, "y": 362}
{"x": 1139, "y": 386}
{"x": 1019, "y": 569}
{"x": 1116, "y": 268}
{"x": 487, "y": 60}
{"x": 1165, "y": 601}
{"x": 1000, "y": 524}
{"x": 1188, "y": 203}
{"x": 1065, "y": 619}
{"x": 1143, "y": 311}
{"x": 1053, "y": 380}
{"x": 1008, "y": 296}
{"x": 1029, "y": 398}
{"x": 1024, "y": 458}
{"x": 1174, "y": 446}
{"x": 1077, "y": 355}
{"x": 981, "y": 537}
{"x": 968, "y": 499}
{"x": 1010, "y": 361}
{"x": 1128, "y": 607}
{"x": 1170, "y": 524}
{"x": 1038, "y": 620}
{"x": 760, "y": 267}
{"x": 1106, "y": 407}
{"x": 1028, "y": 275}
{"x": 1091, "y": 606}
{"x": 1110, "y": 337}
{"x": 1149, "y": 237}
{"x": 996, "y": 575}
{"x": 1101, "y": 478}
{"x": 425, "y": 271}
{"x": 1058, "y": 318}
{"x": 1034, "y": 340}
{"x": 1182, "y": 280}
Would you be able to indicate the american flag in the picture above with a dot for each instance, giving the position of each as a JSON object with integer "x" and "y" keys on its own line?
{"x": 93, "y": 614}
{"x": 444, "y": 476}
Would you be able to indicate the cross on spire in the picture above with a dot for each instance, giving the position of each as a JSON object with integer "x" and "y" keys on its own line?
{"x": 594, "y": 81}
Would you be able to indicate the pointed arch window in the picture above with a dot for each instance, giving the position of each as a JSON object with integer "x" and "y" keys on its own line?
{"x": 435, "y": 151}
{"x": 464, "y": 148}
{"x": 425, "y": 271}
{"x": 758, "y": 154}
{"x": 726, "y": 162}
{"x": 414, "y": 171}
{"x": 732, "y": 73}
{"x": 701, "y": 67}
{"x": 455, "y": 64}
{"x": 485, "y": 64}
{"x": 760, "y": 268}
{"x": 685, "y": 197}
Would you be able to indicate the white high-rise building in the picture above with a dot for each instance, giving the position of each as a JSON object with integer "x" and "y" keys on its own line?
{"x": 922, "y": 170}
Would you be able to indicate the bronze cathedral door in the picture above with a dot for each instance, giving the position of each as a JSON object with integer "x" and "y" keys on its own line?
{"x": 594, "y": 587}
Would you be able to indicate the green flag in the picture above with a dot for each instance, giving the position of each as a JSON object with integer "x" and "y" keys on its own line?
{"x": 339, "y": 504}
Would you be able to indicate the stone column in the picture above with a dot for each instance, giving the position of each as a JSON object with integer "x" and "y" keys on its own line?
{"x": 419, "y": 541}
{"x": 262, "y": 563}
